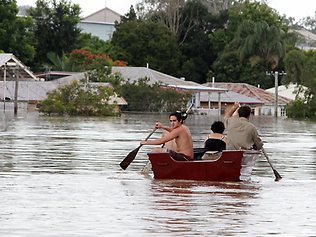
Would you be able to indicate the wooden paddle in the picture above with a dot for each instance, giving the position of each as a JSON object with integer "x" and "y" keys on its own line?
{"x": 276, "y": 173}
{"x": 131, "y": 156}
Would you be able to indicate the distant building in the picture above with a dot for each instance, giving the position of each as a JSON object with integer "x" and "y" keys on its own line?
{"x": 100, "y": 23}
{"x": 11, "y": 67}
{"x": 291, "y": 91}
{"x": 267, "y": 99}
{"x": 307, "y": 39}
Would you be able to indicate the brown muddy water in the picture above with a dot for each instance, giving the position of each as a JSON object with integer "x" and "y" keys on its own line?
{"x": 61, "y": 177}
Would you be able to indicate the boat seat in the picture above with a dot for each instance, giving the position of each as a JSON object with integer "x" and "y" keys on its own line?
{"x": 211, "y": 155}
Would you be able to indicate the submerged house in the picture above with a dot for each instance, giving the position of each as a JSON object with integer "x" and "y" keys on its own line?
{"x": 21, "y": 88}
{"x": 136, "y": 73}
{"x": 267, "y": 99}
{"x": 13, "y": 75}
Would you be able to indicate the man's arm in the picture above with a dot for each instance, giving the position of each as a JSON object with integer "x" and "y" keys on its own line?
{"x": 230, "y": 111}
{"x": 258, "y": 143}
{"x": 160, "y": 125}
{"x": 168, "y": 137}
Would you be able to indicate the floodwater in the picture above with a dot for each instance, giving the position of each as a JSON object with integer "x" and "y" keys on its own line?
{"x": 61, "y": 177}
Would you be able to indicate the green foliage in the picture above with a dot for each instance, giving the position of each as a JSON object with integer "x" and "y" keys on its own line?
{"x": 79, "y": 60}
{"x": 294, "y": 64}
{"x": 79, "y": 99}
{"x": 152, "y": 98}
{"x": 300, "y": 109}
{"x": 15, "y": 34}
{"x": 130, "y": 16}
{"x": 60, "y": 63}
{"x": 254, "y": 42}
{"x": 195, "y": 45}
{"x": 147, "y": 42}
{"x": 300, "y": 68}
{"x": 95, "y": 45}
{"x": 260, "y": 43}
{"x": 256, "y": 12}
{"x": 55, "y": 27}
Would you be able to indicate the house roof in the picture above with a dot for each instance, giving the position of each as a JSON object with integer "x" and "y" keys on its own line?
{"x": 135, "y": 73}
{"x": 197, "y": 88}
{"x": 10, "y": 65}
{"x": 105, "y": 15}
{"x": 37, "y": 90}
{"x": 306, "y": 34}
{"x": 308, "y": 39}
{"x": 229, "y": 97}
{"x": 290, "y": 91}
{"x": 251, "y": 91}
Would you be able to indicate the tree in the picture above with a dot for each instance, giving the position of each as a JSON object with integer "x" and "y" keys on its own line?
{"x": 55, "y": 27}
{"x": 152, "y": 98}
{"x": 255, "y": 34}
{"x": 79, "y": 99}
{"x": 147, "y": 42}
{"x": 80, "y": 60}
{"x": 301, "y": 69}
{"x": 95, "y": 45}
{"x": 309, "y": 23}
{"x": 171, "y": 14}
{"x": 196, "y": 47}
{"x": 130, "y": 16}
{"x": 218, "y": 6}
{"x": 261, "y": 42}
{"x": 15, "y": 34}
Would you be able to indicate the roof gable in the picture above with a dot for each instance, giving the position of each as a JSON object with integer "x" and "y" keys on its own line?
{"x": 104, "y": 15}
{"x": 9, "y": 64}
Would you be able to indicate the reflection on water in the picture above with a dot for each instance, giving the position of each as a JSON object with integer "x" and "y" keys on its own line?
{"x": 207, "y": 204}
{"x": 60, "y": 177}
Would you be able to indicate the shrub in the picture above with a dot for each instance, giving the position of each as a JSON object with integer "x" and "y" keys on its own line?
{"x": 79, "y": 98}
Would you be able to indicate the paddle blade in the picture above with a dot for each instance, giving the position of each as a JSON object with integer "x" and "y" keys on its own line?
{"x": 277, "y": 175}
{"x": 129, "y": 158}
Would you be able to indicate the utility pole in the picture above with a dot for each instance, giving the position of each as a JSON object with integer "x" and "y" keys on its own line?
{"x": 276, "y": 85}
{"x": 16, "y": 73}
{"x": 4, "y": 85}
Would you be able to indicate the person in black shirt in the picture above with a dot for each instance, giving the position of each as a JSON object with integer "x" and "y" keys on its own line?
{"x": 216, "y": 141}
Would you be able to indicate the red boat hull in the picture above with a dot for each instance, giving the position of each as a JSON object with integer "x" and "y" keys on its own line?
{"x": 226, "y": 168}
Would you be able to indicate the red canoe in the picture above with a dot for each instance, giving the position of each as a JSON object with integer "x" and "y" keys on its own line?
{"x": 232, "y": 165}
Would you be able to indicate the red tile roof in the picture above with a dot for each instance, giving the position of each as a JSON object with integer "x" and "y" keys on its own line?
{"x": 250, "y": 91}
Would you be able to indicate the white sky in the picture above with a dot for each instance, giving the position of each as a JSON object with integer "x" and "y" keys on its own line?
{"x": 294, "y": 8}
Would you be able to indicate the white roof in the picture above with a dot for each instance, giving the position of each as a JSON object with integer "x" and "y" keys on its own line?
{"x": 290, "y": 91}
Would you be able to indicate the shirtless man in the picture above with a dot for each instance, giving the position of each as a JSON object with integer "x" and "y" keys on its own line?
{"x": 181, "y": 135}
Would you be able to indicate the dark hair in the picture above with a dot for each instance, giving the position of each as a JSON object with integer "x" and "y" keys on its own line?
{"x": 177, "y": 115}
{"x": 218, "y": 127}
{"x": 244, "y": 111}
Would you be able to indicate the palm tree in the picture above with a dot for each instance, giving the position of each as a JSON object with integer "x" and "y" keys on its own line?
{"x": 261, "y": 42}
